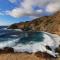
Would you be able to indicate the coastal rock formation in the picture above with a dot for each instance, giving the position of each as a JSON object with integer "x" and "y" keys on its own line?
{"x": 9, "y": 49}
{"x": 47, "y": 23}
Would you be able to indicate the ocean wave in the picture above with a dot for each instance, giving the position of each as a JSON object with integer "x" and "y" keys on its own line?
{"x": 30, "y": 41}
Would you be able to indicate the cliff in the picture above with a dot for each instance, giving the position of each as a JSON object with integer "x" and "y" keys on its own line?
{"x": 47, "y": 23}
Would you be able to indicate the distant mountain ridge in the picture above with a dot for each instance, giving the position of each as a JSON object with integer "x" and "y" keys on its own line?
{"x": 47, "y": 23}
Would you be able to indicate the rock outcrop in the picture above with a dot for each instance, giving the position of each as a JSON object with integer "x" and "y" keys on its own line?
{"x": 7, "y": 50}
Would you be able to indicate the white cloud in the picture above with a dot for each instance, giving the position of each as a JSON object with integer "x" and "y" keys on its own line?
{"x": 25, "y": 8}
{"x": 12, "y": 1}
{"x": 53, "y": 7}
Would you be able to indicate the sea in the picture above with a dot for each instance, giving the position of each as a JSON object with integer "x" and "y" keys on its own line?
{"x": 22, "y": 41}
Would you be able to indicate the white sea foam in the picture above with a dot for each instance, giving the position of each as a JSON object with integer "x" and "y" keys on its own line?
{"x": 18, "y": 30}
{"x": 51, "y": 40}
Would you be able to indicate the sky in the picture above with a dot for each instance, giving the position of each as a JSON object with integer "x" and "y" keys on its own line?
{"x": 6, "y": 5}
{"x": 14, "y": 11}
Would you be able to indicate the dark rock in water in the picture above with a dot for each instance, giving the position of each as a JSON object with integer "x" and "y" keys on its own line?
{"x": 1, "y": 50}
{"x": 57, "y": 50}
{"x": 48, "y": 48}
{"x": 8, "y": 49}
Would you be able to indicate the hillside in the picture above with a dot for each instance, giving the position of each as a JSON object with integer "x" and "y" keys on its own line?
{"x": 47, "y": 23}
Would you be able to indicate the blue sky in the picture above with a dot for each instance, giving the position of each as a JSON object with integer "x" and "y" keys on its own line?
{"x": 6, "y": 5}
{"x": 14, "y": 11}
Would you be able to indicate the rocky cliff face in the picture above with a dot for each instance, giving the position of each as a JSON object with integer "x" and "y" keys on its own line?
{"x": 47, "y": 23}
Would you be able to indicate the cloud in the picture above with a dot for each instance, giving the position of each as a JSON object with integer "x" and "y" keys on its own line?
{"x": 52, "y": 8}
{"x": 26, "y": 8}
{"x": 2, "y": 13}
{"x": 12, "y": 1}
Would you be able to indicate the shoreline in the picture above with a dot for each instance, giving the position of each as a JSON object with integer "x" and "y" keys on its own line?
{"x": 26, "y": 56}
{"x": 9, "y": 54}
